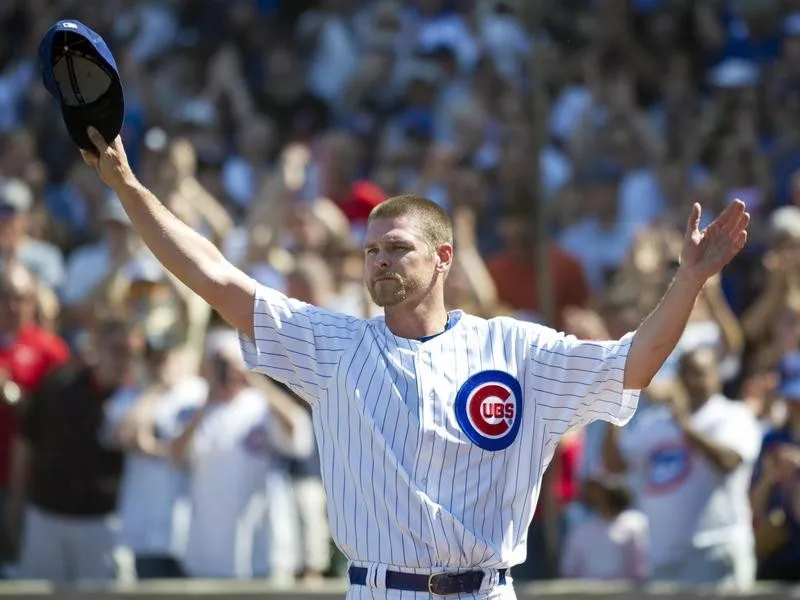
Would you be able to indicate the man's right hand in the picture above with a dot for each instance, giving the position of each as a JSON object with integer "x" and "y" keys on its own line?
{"x": 110, "y": 161}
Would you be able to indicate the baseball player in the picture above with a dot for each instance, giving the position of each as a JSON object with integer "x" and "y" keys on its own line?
{"x": 434, "y": 427}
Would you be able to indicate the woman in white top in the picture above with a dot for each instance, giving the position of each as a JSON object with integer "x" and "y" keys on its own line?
{"x": 143, "y": 419}
{"x": 244, "y": 520}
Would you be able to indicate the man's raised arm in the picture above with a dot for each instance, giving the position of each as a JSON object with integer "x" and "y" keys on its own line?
{"x": 704, "y": 254}
{"x": 183, "y": 251}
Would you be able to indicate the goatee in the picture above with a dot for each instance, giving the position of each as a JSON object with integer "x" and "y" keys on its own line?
{"x": 388, "y": 292}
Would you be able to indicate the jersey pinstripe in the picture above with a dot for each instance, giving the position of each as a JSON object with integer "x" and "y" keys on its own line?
{"x": 406, "y": 486}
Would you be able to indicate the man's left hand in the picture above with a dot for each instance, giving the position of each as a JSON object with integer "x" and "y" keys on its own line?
{"x": 705, "y": 252}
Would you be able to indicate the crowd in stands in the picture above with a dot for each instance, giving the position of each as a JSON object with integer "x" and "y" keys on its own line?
{"x": 134, "y": 444}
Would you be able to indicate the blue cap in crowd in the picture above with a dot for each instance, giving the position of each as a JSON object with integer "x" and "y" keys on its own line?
{"x": 80, "y": 72}
{"x": 789, "y": 373}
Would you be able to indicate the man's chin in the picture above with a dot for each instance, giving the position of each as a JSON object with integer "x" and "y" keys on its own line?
{"x": 384, "y": 302}
{"x": 383, "y": 299}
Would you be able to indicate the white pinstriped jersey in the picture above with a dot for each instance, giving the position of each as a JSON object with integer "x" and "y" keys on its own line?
{"x": 433, "y": 452}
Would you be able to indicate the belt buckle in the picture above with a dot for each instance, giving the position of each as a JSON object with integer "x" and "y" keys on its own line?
{"x": 436, "y": 580}
{"x": 432, "y": 579}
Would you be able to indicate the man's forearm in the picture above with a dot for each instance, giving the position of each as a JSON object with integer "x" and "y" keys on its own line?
{"x": 194, "y": 260}
{"x": 182, "y": 250}
{"x": 657, "y": 336}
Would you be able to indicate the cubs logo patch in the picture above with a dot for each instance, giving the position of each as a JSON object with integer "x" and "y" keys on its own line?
{"x": 489, "y": 409}
{"x": 256, "y": 440}
{"x": 668, "y": 465}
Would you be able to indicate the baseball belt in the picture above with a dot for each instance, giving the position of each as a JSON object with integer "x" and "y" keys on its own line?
{"x": 438, "y": 584}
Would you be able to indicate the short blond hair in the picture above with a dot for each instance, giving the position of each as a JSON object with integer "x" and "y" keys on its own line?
{"x": 435, "y": 225}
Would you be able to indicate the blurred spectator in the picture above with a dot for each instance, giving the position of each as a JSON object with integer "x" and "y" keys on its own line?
{"x": 151, "y": 28}
{"x": 768, "y": 335}
{"x": 614, "y": 544}
{"x": 311, "y": 280}
{"x": 331, "y": 47}
{"x": 243, "y": 173}
{"x": 600, "y": 241}
{"x": 309, "y": 496}
{"x": 775, "y": 494}
{"x": 336, "y": 171}
{"x": 234, "y": 447}
{"x": 560, "y": 490}
{"x": 751, "y": 31}
{"x": 516, "y": 276}
{"x": 74, "y": 209}
{"x": 771, "y": 324}
{"x": 20, "y": 161}
{"x": 27, "y": 355}
{"x": 691, "y": 464}
{"x": 469, "y": 285}
{"x": 91, "y": 270}
{"x": 171, "y": 165}
{"x": 142, "y": 420}
{"x": 64, "y": 474}
{"x": 43, "y": 259}
{"x": 316, "y": 227}
{"x": 285, "y": 98}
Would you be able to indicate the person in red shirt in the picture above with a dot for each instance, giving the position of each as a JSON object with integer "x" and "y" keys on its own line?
{"x": 27, "y": 354}
{"x": 514, "y": 272}
{"x": 338, "y": 162}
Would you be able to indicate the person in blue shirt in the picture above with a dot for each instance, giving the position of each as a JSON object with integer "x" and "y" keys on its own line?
{"x": 775, "y": 494}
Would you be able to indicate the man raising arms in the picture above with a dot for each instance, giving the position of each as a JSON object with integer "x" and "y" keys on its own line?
{"x": 434, "y": 427}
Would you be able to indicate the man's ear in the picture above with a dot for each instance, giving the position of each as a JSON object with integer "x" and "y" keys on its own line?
{"x": 444, "y": 257}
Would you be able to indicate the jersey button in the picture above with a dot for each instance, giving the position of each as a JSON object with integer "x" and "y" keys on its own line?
{"x": 433, "y": 395}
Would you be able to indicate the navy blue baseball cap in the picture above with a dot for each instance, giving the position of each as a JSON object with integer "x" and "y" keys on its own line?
{"x": 79, "y": 70}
